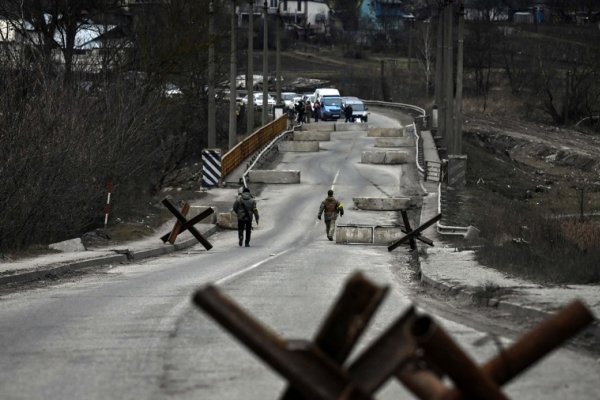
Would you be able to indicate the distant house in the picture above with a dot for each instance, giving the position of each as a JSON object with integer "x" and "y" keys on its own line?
{"x": 306, "y": 15}
{"x": 91, "y": 41}
{"x": 383, "y": 14}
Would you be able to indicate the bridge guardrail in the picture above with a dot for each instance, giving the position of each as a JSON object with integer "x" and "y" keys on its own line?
{"x": 430, "y": 169}
{"x": 234, "y": 157}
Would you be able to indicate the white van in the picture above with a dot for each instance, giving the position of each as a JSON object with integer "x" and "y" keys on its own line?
{"x": 326, "y": 92}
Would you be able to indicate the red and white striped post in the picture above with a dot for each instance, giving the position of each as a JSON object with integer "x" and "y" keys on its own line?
{"x": 109, "y": 189}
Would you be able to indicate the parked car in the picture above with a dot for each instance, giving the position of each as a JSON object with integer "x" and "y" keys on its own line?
{"x": 171, "y": 90}
{"x": 359, "y": 110}
{"x": 258, "y": 100}
{"x": 288, "y": 99}
{"x": 309, "y": 97}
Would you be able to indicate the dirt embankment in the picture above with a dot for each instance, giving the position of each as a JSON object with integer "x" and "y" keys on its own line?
{"x": 532, "y": 158}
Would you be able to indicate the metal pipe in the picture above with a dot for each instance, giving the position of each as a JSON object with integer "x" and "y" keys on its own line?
{"x": 442, "y": 351}
{"x": 421, "y": 382}
{"x": 535, "y": 344}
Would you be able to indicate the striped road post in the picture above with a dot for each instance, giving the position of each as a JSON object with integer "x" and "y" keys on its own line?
{"x": 211, "y": 167}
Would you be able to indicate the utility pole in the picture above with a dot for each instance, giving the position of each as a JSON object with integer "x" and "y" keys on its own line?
{"x": 410, "y": 42}
{"x": 233, "y": 81}
{"x": 250, "y": 72}
{"x": 448, "y": 78}
{"x": 459, "y": 81}
{"x": 265, "y": 61}
{"x": 439, "y": 68}
{"x": 212, "y": 134}
{"x": 278, "y": 57}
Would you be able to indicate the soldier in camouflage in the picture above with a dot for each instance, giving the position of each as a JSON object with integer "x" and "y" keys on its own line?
{"x": 331, "y": 207}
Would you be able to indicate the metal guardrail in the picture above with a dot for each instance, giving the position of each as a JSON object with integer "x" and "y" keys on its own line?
{"x": 250, "y": 145}
{"x": 428, "y": 169}
{"x": 417, "y": 109}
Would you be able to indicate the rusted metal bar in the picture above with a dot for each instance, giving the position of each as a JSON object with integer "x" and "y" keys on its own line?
{"x": 177, "y": 227}
{"x": 188, "y": 224}
{"x": 389, "y": 352}
{"x": 193, "y": 221}
{"x": 421, "y": 382}
{"x": 441, "y": 350}
{"x": 417, "y": 231}
{"x": 301, "y": 363}
{"x": 346, "y": 322}
{"x": 531, "y": 347}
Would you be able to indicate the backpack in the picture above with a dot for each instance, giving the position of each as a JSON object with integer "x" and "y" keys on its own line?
{"x": 330, "y": 205}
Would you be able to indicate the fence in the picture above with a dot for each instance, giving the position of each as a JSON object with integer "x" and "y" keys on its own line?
{"x": 234, "y": 157}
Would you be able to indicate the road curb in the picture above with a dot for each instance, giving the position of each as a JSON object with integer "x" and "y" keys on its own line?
{"x": 124, "y": 256}
{"x": 466, "y": 294}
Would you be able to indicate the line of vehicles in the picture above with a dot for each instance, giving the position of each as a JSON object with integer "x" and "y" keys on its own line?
{"x": 332, "y": 104}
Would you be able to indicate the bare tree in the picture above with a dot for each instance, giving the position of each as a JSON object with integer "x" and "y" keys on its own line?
{"x": 426, "y": 52}
{"x": 49, "y": 25}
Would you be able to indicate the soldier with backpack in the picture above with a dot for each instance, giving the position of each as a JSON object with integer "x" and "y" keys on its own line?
{"x": 331, "y": 207}
{"x": 245, "y": 208}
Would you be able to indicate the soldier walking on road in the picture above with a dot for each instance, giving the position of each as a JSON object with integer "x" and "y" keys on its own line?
{"x": 332, "y": 208}
{"x": 245, "y": 207}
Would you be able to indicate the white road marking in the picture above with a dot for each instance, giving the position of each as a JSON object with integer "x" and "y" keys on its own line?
{"x": 250, "y": 268}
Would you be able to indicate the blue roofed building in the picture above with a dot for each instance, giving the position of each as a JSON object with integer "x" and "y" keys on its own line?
{"x": 383, "y": 14}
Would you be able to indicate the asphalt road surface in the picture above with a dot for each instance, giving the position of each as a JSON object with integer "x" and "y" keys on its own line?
{"x": 131, "y": 331}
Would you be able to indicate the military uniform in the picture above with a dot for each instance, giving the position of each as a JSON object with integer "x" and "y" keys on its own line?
{"x": 245, "y": 208}
{"x": 331, "y": 208}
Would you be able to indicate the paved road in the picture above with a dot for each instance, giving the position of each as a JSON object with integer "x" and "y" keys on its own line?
{"x": 131, "y": 332}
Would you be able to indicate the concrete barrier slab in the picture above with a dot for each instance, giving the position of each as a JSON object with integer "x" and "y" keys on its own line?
{"x": 394, "y": 142}
{"x": 385, "y": 132}
{"x": 321, "y": 127}
{"x": 383, "y": 203}
{"x": 321, "y": 136}
{"x": 365, "y": 234}
{"x": 274, "y": 176}
{"x": 351, "y": 126}
{"x": 384, "y": 157}
{"x": 291, "y": 146}
{"x": 227, "y": 220}
{"x": 68, "y": 246}
{"x": 195, "y": 210}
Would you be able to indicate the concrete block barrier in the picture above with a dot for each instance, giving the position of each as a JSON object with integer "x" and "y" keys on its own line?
{"x": 385, "y": 132}
{"x": 68, "y": 246}
{"x": 394, "y": 142}
{"x": 321, "y": 136}
{"x": 351, "y": 126}
{"x": 321, "y": 127}
{"x": 384, "y": 157}
{"x": 367, "y": 234}
{"x": 227, "y": 220}
{"x": 195, "y": 210}
{"x": 290, "y": 146}
{"x": 383, "y": 203}
{"x": 274, "y": 176}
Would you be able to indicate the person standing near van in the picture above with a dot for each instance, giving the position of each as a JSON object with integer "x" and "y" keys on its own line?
{"x": 300, "y": 111}
{"x": 307, "y": 111}
{"x": 331, "y": 207}
{"x": 316, "y": 110}
{"x": 348, "y": 112}
{"x": 245, "y": 208}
